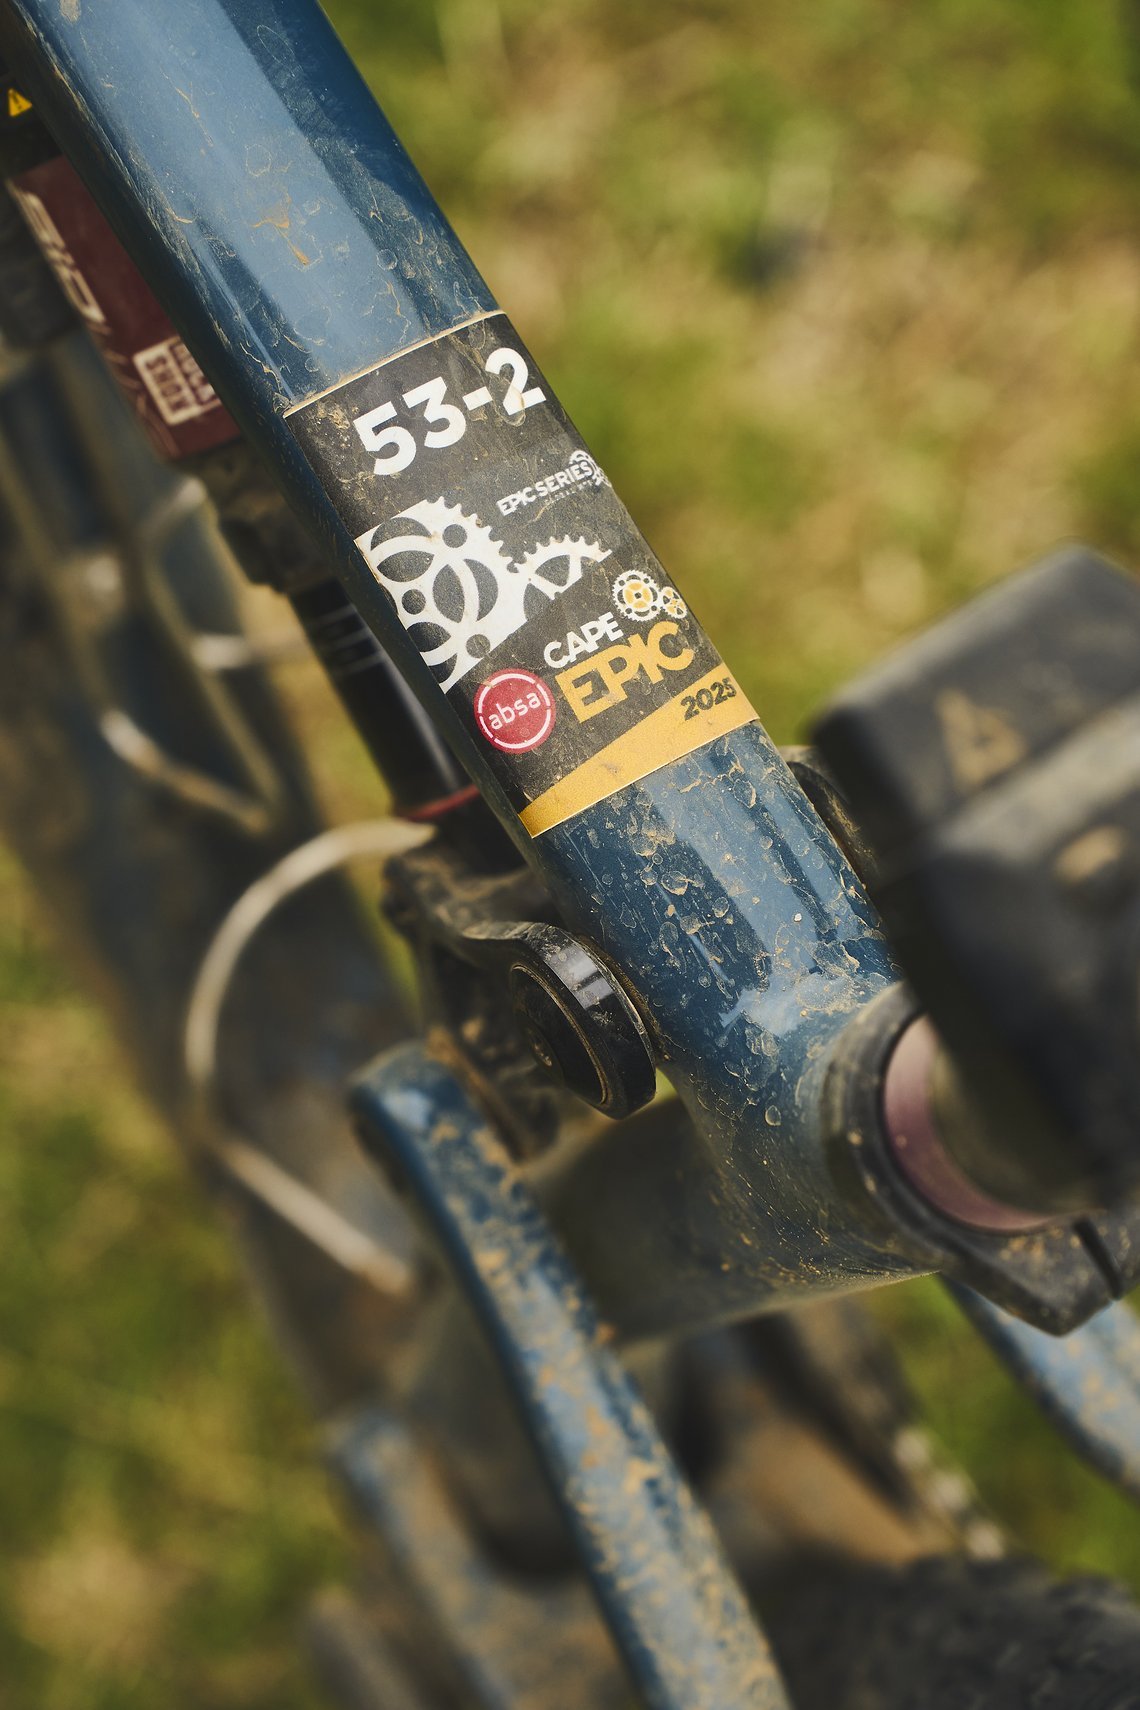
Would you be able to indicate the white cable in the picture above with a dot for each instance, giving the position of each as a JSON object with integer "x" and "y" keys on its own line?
{"x": 321, "y": 1224}
{"x": 218, "y": 652}
{"x": 292, "y": 1200}
{"x": 378, "y": 838}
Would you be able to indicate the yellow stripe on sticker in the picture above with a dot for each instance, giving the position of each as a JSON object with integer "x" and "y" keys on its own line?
{"x": 712, "y": 706}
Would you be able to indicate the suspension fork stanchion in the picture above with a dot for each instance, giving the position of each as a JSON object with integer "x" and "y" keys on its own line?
{"x": 249, "y": 170}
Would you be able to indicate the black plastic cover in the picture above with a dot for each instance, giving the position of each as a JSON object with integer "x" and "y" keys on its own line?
{"x": 994, "y": 768}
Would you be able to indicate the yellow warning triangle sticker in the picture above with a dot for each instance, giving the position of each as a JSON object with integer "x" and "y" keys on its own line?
{"x": 17, "y": 104}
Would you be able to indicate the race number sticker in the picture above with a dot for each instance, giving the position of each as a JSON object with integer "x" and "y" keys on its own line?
{"x": 517, "y": 572}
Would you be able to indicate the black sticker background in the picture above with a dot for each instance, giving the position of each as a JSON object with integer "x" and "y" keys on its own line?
{"x": 502, "y": 454}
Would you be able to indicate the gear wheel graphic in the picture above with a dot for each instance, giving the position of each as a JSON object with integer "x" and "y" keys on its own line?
{"x": 456, "y": 589}
{"x": 448, "y": 554}
{"x": 672, "y": 604}
{"x": 438, "y": 519}
{"x": 577, "y": 553}
{"x": 637, "y": 595}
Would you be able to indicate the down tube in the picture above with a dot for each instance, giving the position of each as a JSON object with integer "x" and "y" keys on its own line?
{"x": 246, "y": 165}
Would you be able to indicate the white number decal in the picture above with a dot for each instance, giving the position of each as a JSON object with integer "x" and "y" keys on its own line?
{"x": 432, "y": 395}
{"x": 445, "y": 423}
{"x": 518, "y": 398}
{"x": 396, "y": 442}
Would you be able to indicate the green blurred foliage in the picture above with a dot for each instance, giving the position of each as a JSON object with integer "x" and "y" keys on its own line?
{"x": 1047, "y": 1499}
{"x": 846, "y": 297}
{"x": 160, "y": 1512}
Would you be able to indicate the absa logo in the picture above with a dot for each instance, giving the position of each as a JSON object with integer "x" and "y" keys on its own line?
{"x": 515, "y": 710}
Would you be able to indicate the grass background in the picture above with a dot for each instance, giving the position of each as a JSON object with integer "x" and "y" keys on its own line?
{"x": 845, "y": 297}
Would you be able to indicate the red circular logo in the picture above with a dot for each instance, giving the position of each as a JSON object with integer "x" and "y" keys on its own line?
{"x": 515, "y": 710}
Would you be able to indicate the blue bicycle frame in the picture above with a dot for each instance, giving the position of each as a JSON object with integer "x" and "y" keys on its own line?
{"x": 249, "y": 172}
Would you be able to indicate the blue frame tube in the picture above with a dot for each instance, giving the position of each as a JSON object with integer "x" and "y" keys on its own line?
{"x": 247, "y": 167}
{"x": 673, "y": 1605}
{"x": 1087, "y": 1383}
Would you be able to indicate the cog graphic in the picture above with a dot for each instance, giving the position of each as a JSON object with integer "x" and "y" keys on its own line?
{"x": 637, "y": 596}
{"x": 454, "y": 576}
{"x": 577, "y": 554}
{"x": 451, "y": 578}
{"x": 672, "y": 604}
